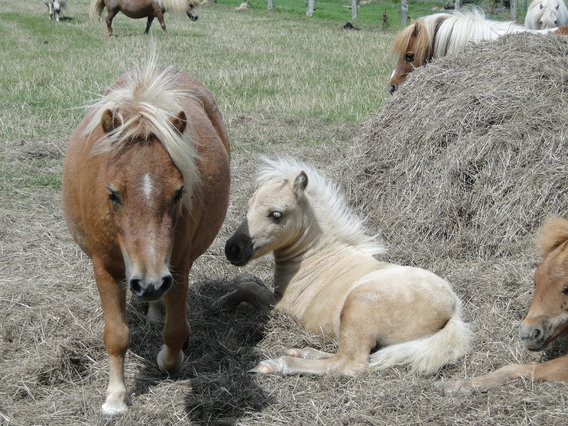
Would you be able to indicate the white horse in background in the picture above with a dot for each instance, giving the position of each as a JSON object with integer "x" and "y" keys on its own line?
{"x": 55, "y": 8}
{"x": 327, "y": 277}
{"x": 544, "y": 14}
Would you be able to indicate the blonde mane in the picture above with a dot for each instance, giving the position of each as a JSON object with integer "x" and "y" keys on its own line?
{"x": 145, "y": 101}
{"x": 331, "y": 210}
{"x": 177, "y": 5}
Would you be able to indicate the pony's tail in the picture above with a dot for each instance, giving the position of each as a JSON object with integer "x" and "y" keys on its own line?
{"x": 96, "y": 8}
{"x": 428, "y": 354}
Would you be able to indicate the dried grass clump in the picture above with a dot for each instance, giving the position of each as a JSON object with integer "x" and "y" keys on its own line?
{"x": 468, "y": 157}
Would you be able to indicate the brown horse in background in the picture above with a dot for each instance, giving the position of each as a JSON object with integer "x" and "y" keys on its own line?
{"x": 145, "y": 190}
{"x": 137, "y": 9}
{"x": 546, "y": 320}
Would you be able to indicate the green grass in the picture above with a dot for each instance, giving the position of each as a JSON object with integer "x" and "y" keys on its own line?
{"x": 265, "y": 68}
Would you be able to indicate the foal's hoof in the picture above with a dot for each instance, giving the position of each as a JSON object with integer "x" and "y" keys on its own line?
{"x": 266, "y": 367}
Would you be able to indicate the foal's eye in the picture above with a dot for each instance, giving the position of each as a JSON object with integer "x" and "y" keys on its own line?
{"x": 275, "y": 216}
{"x": 565, "y": 291}
{"x": 179, "y": 194}
{"x": 409, "y": 57}
{"x": 112, "y": 196}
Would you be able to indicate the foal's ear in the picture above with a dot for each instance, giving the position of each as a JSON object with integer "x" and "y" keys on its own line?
{"x": 300, "y": 183}
{"x": 110, "y": 120}
{"x": 179, "y": 121}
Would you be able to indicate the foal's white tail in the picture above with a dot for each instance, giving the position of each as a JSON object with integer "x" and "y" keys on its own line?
{"x": 428, "y": 354}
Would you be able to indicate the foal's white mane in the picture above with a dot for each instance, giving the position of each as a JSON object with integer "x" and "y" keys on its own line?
{"x": 331, "y": 210}
{"x": 145, "y": 102}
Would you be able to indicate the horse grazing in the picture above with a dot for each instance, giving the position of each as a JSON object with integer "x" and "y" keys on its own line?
{"x": 543, "y": 14}
{"x": 137, "y": 9}
{"x": 55, "y": 8}
{"x": 328, "y": 278}
{"x": 440, "y": 34}
{"x": 546, "y": 320}
{"x": 145, "y": 191}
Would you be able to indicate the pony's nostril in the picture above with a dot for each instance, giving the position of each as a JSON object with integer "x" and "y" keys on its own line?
{"x": 535, "y": 334}
{"x": 135, "y": 285}
{"x": 167, "y": 282}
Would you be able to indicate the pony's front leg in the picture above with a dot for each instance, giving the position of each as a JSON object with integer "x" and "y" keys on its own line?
{"x": 555, "y": 370}
{"x": 160, "y": 17}
{"x": 113, "y": 301}
{"x": 249, "y": 292}
{"x": 176, "y": 328}
{"x": 110, "y": 16}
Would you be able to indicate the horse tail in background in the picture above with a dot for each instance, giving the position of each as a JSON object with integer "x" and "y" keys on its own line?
{"x": 96, "y": 8}
{"x": 428, "y": 354}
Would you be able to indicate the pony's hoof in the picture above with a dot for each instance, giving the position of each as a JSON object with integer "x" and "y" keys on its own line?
{"x": 169, "y": 362}
{"x": 110, "y": 410}
{"x": 454, "y": 387}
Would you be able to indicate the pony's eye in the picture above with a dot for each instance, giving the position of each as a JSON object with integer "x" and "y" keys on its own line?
{"x": 409, "y": 57}
{"x": 565, "y": 291}
{"x": 112, "y": 196}
{"x": 275, "y": 216}
{"x": 179, "y": 194}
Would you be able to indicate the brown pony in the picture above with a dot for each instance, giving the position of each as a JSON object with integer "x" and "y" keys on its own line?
{"x": 546, "y": 320}
{"x": 440, "y": 34}
{"x": 137, "y": 9}
{"x": 145, "y": 191}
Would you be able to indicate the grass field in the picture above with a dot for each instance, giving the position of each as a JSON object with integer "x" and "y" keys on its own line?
{"x": 285, "y": 84}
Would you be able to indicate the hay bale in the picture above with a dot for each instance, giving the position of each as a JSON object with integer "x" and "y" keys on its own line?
{"x": 467, "y": 159}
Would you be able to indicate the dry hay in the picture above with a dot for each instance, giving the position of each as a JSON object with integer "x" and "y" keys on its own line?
{"x": 468, "y": 157}
{"x": 53, "y": 367}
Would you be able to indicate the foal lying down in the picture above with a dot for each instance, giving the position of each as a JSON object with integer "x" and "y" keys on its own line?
{"x": 328, "y": 278}
{"x": 546, "y": 320}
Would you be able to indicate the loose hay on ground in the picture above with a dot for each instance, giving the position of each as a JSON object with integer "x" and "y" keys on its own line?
{"x": 449, "y": 187}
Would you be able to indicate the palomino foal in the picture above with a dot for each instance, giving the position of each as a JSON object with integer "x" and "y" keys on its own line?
{"x": 328, "y": 278}
{"x": 546, "y": 320}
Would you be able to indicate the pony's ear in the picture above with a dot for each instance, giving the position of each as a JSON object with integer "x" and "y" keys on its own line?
{"x": 300, "y": 183}
{"x": 179, "y": 121}
{"x": 415, "y": 29}
{"x": 110, "y": 120}
{"x": 553, "y": 234}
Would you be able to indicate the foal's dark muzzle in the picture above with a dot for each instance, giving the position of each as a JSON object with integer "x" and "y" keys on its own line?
{"x": 239, "y": 250}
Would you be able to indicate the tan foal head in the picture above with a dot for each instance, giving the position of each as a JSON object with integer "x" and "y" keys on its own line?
{"x": 275, "y": 220}
{"x": 144, "y": 189}
{"x": 548, "y": 313}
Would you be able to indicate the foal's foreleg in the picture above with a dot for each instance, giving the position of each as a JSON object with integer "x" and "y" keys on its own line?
{"x": 355, "y": 344}
{"x": 113, "y": 301}
{"x": 249, "y": 292}
{"x": 555, "y": 370}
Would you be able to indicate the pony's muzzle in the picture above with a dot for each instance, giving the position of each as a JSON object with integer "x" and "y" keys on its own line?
{"x": 239, "y": 250}
{"x": 192, "y": 16}
{"x": 533, "y": 336}
{"x": 150, "y": 291}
